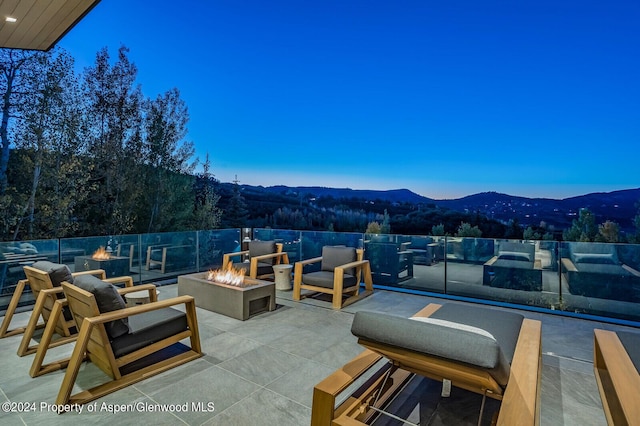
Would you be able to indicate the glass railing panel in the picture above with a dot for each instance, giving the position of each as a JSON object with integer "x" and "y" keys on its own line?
{"x": 290, "y": 240}
{"x": 90, "y": 253}
{"x": 601, "y": 279}
{"x": 14, "y": 256}
{"x": 423, "y": 257}
{"x": 313, "y": 241}
{"x": 500, "y": 270}
{"x": 213, "y": 244}
{"x": 392, "y": 263}
{"x": 169, "y": 254}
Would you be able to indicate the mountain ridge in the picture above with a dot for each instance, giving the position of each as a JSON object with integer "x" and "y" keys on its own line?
{"x": 619, "y": 206}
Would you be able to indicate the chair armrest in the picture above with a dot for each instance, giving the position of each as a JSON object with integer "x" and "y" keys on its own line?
{"x": 54, "y": 290}
{"x": 269, "y": 256}
{"x": 237, "y": 253}
{"x": 568, "y": 265}
{"x": 171, "y": 248}
{"x": 98, "y": 273}
{"x": 355, "y": 264}
{"x": 134, "y": 289}
{"x": 631, "y": 270}
{"x": 309, "y": 261}
{"x": 127, "y": 280}
{"x": 151, "y": 288}
{"x": 140, "y": 309}
{"x": 521, "y": 401}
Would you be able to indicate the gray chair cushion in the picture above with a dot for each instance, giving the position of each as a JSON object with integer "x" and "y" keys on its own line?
{"x": 631, "y": 343}
{"x": 263, "y": 268}
{"x": 108, "y": 299}
{"x": 333, "y": 256}
{"x": 260, "y": 248}
{"x": 491, "y": 350}
{"x": 57, "y": 272}
{"x": 325, "y": 279}
{"x": 148, "y": 328}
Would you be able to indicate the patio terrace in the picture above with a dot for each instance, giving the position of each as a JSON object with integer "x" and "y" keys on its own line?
{"x": 262, "y": 371}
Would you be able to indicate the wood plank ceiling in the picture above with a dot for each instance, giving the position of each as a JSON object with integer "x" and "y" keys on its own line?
{"x": 39, "y": 24}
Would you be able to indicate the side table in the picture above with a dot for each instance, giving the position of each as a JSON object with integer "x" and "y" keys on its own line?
{"x": 283, "y": 276}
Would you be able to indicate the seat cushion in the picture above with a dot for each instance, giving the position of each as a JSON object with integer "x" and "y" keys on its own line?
{"x": 333, "y": 256}
{"x": 148, "y": 328}
{"x": 263, "y": 268}
{"x": 108, "y": 300}
{"x": 260, "y": 248}
{"x": 444, "y": 338}
{"x": 631, "y": 343}
{"x": 325, "y": 279}
{"x": 57, "y": 272}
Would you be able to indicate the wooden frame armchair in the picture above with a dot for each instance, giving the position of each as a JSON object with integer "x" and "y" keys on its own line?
{"x": 151, "y": 328}
{"x": 342, "y": 269}
{"x": 56, "y": 317}
{"x": 262, "y": 256}
{"x": 617, "y": 375}
{"x": 520, "y": 396}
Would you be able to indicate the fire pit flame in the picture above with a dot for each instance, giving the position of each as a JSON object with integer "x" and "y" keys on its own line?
{"x": 101, "y": 254}
{"x": 229, "y": 276}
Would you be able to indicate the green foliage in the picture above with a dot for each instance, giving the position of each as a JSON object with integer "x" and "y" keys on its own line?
{"x": 530, "y": 234}
{"x": 466, "y": 230}
{"x": 583, "y": 228}
{"x": 385, "y": 228}
{"x": 608, "y": 232}
{"x": 236, "y": 214}
{"x": 373, "y": 228}
{"x": 438, "y": 230}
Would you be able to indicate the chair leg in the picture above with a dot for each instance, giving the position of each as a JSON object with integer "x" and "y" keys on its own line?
{"x": 76, "y": 360}
{"x": 338, "y": 283}
{"x": 11, "y": 309}
{"x": 24, "y": 348}
{"x": 297, "y": 282}
{"x": 37, "y": 369}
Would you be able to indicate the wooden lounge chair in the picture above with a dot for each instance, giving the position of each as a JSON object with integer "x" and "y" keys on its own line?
{"x": 44, "y": 280}
{"x": 128, "y": 344}
{"x": 340, "y": 273}
{"x": 517, "y": 385}
{"x": 616, "y": 363}
{"x": 262, "y": 256}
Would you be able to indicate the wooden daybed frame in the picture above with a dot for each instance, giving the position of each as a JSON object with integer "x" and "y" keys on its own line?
{"x": 520, "y": 400}
{"x": 618, "y": 379}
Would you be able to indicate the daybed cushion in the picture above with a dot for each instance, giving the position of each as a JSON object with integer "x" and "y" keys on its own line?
{"x": 595, "y": 258}
{"x": 631, "y": 343}
{"x": 492, "y": 349}
{"x": 512, "y": 255}
{"x": 57, "y": 272}
{"x": 148, "y": 328}
{"x": 108, "y": 299}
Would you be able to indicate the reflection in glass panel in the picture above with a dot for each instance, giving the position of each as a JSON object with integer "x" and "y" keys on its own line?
{"x": 510, "y": 271}
{"x": 601, "y": 278}
{"x": 16, "y": 254}
{"x": 169, "y": 254}
{"x": 290, "y": 240}
{"x": 212, "y": 246}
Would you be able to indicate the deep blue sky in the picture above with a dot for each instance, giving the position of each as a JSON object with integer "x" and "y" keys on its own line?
{"x": 443, "y": 98}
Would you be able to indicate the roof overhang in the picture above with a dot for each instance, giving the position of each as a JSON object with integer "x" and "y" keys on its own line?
{"x": 39, "y": 24}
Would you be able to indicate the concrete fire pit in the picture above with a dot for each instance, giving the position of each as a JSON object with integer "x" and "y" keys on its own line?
{"x": 232, "y": 301}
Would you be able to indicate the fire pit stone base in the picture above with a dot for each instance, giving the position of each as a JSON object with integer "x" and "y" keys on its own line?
{"x": 232, "y": 301}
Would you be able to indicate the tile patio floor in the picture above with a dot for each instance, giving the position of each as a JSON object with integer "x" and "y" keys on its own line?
{"x": 262, "y": 371}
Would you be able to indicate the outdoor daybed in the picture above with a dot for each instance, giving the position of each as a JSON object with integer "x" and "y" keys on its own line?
{"x": 595, "y": 270}
{"x": 514, "y": 267}
{"x": 616, "y": 363}
{"x": 483, "y": 350}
